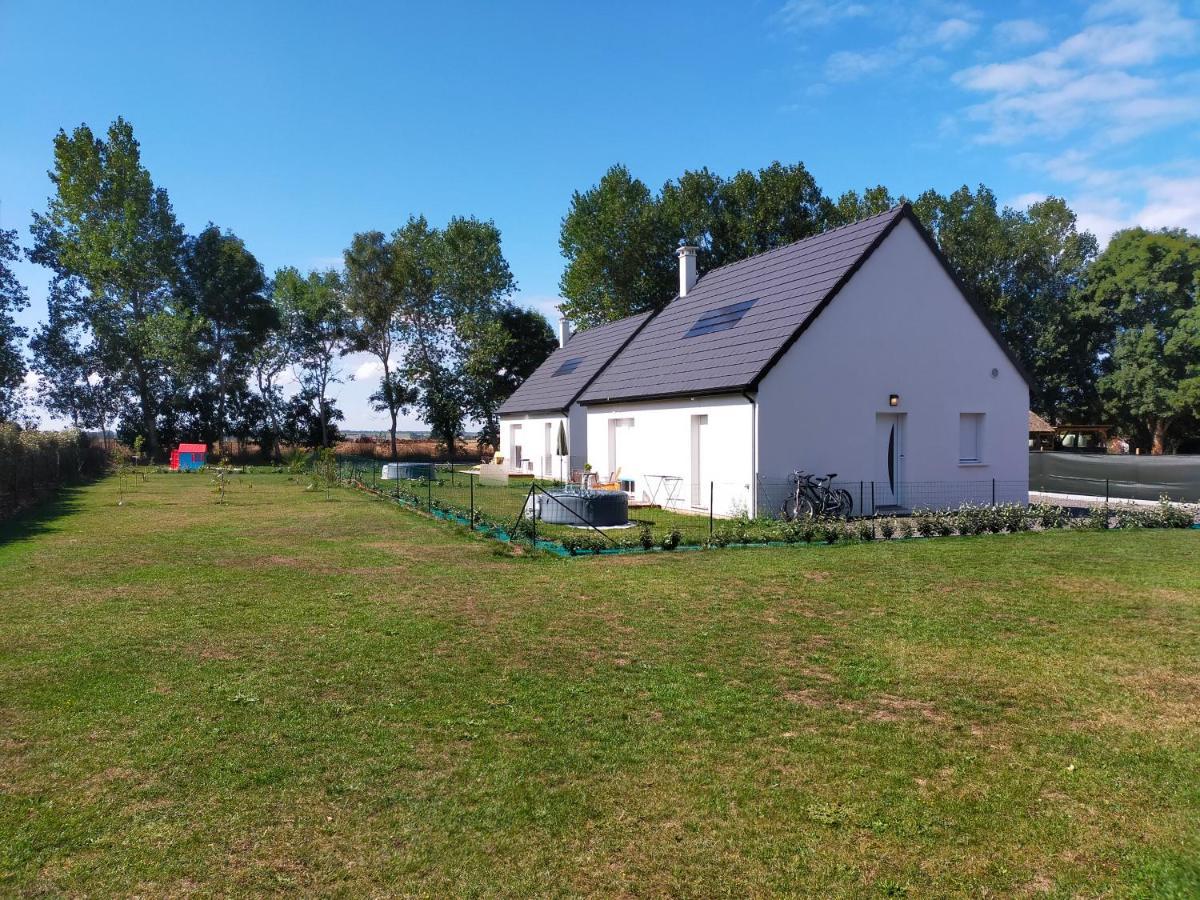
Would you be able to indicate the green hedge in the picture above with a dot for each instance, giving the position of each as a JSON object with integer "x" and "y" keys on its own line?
{"x": 35, "y": 463}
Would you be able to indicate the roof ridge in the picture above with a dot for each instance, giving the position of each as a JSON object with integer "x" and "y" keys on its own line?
{"x": 893, "y": 211}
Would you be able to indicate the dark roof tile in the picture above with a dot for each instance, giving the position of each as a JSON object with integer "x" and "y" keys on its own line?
{"x": 544, "y": 391}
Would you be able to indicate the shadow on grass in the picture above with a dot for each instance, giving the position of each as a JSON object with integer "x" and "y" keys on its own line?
{"x": 36, "y": 520}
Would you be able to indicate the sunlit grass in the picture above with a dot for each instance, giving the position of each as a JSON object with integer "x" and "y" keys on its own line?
{"x": 318, "y": 692}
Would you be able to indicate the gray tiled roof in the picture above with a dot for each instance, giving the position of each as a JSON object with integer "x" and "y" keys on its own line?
{"x": 789, "y": 285}
{"x": 543, "y": 391}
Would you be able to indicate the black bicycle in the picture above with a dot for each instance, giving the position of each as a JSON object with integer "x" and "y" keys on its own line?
{"x": 812, "y": 497}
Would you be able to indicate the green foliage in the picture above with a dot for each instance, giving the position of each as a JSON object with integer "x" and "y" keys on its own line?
{"x": 617, "y": 236}
{"x": 646, "y": 536}
{"x": 34, "y": 463}
{"x": 313, "y": 313}
{"x": 111, "y": 231}
{"x": 1163, "y": 515}
{"x": 13, "y": 299}
{"x": 671, "y": 539}
{"x": 1143, "y": 291}
{"x": 223, "y": 290}
{"x": 887, "y": 528}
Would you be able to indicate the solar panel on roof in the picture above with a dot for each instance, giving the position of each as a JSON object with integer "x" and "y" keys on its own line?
{"x": 720, "y": 319}
{"x": 568, "y": 366}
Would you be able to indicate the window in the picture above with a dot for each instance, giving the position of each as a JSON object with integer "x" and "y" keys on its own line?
{"x": 568, "y": 366}
{"x": 719, "y": 319}
{"x": 970, "y": 437}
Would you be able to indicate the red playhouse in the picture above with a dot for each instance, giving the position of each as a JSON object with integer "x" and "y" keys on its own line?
{"x": 188, "y": 457}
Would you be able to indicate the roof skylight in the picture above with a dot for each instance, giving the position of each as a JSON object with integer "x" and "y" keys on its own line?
{"x": 567, "y": 367}
{"x": 719, "y": 319}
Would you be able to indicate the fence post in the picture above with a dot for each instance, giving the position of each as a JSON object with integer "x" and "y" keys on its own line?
{"x": 861, "y": 510}
{"x": 533, "y": 516}
{"x": 471, "y": 482}
{"x": 872, "y": 498}
{"x": 993, "y": 492}
{"x": 429, "y": 490}
{"x": 710, "y": 511}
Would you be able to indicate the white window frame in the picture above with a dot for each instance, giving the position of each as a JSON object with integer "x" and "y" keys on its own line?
{"x": 975, "y": 420}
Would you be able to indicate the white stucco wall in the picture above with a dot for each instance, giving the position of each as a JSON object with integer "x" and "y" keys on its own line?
{"x": 899, "y": 326}
{"x": 658, "y": 441}
{"x": 534, "y": 437}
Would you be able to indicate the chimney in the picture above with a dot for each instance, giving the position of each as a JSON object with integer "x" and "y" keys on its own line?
{"x": 564, "y": 330}
{"x": 687, "y": 269}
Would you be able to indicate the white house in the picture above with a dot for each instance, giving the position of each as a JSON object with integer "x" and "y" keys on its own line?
{"x": 854, "y": 352}
{"x": 531, "y": 418}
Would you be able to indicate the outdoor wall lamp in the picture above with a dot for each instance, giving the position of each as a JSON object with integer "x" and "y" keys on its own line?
{"x": 893, "y": 399}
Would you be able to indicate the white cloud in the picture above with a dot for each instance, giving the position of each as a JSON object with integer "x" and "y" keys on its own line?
{"x": 1021, "y": 31}
{"x": 372, "y": 368}
{"x": 1107, "y": 77}
{"x": 953, "y": 31}
{"x": 797, "y": 15}
{"x": 847, "y": 65}
{"x": 1171, "y": 203}
{"x": 1107, "y": 199}
{"x": 913, "y": 35}
{"x": 31, "y": 381}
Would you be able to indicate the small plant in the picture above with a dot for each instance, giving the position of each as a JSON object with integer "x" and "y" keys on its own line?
{"x": 943, "y": 524}
{"x": 672, "y": 539}
{"x": 864, "y": 530}
{"x": 924, "y": 521}
{"x": 219, "y": 480}
{"x": 831, "y": 530}
{"x": 904, "y": 528}
{"x": 887, "y": 528}
{"x": 646, "y": 536}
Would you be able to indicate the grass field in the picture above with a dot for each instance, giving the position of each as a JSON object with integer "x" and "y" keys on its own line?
{"x": 306, "y": 693}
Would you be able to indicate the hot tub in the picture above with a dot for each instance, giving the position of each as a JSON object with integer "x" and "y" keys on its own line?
{"x": 601, "y": 509}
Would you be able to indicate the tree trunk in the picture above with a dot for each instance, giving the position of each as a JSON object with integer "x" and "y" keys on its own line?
{"x": 321, "y": 416}
{"x": 146, "y": 403}
{"x": 1159, "y": 443}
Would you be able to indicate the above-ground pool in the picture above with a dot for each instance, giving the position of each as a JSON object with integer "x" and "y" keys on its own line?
{"x": 601, "y": 509}
{"x": 412, "y": 471}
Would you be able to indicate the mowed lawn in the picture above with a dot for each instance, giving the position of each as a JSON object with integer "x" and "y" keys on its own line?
{"x": 300, "y": 692}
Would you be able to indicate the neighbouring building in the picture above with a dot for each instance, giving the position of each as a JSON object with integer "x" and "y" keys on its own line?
{"x": 547, "y": 402}
{"x": 856, "y": 352}
{"x": 189, "y": 457}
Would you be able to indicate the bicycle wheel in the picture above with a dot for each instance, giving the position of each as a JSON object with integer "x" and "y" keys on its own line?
{"x": 797, "y": 508}
{"x": 845, "y": 503}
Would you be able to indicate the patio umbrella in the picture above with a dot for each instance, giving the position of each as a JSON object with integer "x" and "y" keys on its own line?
{"x": 563, "y": 450}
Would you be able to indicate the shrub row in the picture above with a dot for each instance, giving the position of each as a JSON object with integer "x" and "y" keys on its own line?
{"x": 965, "y": 520}
{"x": 969, "y": 519}
{"x": 34, "y": 463}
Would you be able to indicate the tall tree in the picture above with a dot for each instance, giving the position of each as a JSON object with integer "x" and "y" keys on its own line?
{"x": 618, "y": 237}
{"x": 315, "y": 320}
{"x": 853, "y": 206}
{"x": 618, "y": 251}
{"x": 223, "y": 287}
{"x": 109, "y": 226}
{"x": 12, "y": 300}
{"x": 266, "y": 406}
{"x": 375, "y": 303}
{"x": 1041, "y": 313}
{"x": 1145, "y": 290}
{"x": 475, "y": 281}
{"x": 431, "y": 359}
{"x": 502, "y": 355}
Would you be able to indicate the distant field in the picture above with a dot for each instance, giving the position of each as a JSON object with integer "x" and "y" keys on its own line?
{"x": 310, "y": 692}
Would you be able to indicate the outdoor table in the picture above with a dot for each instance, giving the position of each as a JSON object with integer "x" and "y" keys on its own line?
{"x": 669, "y": 483}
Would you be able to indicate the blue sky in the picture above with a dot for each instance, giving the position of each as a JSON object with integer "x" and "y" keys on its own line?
{"x": 296, "y": 124}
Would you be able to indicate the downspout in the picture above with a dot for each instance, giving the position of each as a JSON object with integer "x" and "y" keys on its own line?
{"x": 753, "y": 453}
